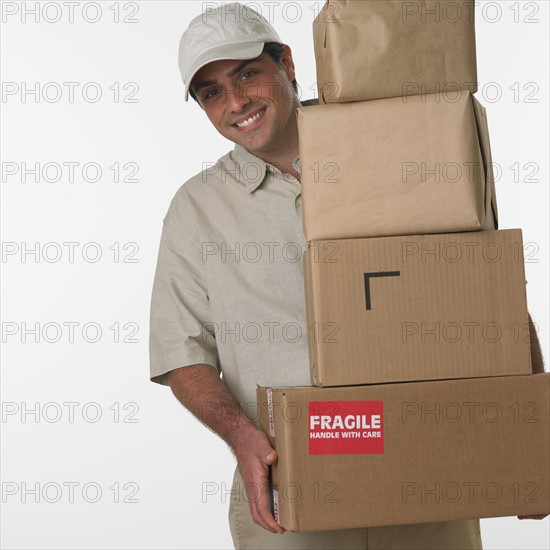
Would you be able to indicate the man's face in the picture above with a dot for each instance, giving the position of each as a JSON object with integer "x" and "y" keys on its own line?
{"x": 251, "y": 103}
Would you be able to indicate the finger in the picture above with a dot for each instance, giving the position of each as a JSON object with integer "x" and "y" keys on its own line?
{"x": 264, "y": 513}
{"x": 260, "y": 517}
{"x": 264, "y": 507}
{"x": 270, "y": 458}
{"x": 266, "y": 521}
{"x": 261, "y": 506}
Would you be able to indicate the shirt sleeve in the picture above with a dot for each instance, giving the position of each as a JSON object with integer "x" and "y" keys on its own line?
{"x": 180, "y": 308}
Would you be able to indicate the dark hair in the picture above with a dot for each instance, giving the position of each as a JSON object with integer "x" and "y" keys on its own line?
{"x": 276, "y": 51}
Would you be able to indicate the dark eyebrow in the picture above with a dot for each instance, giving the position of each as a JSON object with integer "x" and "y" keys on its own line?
{"x": 230, "y": 74}
{"x": 239, "y": 67}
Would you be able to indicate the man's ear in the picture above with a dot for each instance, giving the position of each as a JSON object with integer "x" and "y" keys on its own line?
{"x": 288, "y": 63}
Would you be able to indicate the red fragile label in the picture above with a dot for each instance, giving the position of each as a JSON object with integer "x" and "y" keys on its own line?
{"x": 346, "y": 427}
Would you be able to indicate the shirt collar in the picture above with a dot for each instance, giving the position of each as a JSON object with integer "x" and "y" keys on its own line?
{"x": 296, "y": 165}
{"x": 252, "y": 170}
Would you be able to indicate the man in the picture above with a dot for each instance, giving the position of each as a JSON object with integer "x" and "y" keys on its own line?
{"x": 228, "y": 295}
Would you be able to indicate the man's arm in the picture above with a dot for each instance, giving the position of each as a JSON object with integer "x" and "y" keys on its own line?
{"x": 180, "y": 305}
{"x": 200, "y": 389}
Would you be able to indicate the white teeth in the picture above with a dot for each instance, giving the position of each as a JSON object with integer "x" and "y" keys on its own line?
{"x": 250, "y": 120}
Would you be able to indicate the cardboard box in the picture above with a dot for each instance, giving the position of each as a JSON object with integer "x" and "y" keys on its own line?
{"x": 426, "y": 307}
{"x": 423, "y": 451}
{"x": 389, "y": 48}
{"x": 400, "y": 166}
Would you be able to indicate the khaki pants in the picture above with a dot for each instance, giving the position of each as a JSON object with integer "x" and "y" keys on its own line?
{"x": 445, "y": 535}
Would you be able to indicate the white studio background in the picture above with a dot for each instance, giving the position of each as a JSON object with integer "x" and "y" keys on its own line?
{"x": 159, "y": 479}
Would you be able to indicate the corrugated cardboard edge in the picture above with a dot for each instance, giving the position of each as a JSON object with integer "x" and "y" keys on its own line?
{"x": 294, "y": 518}
{"x": 270, "y": 417}
{"x": 272, "y": 421}
{"x": 525, "y": 306}
{"x": 311, "y": 318}
{"x": 490, "y": 220}
{"x": 263, "y": 398}
{"x": 521, "y": 260}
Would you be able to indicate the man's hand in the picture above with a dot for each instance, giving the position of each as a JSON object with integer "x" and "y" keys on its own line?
{"x": 254, "y": 455}
{"x": 200, "y": 389}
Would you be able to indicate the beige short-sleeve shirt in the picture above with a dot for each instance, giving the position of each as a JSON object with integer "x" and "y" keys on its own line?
{"x": 229, "y": 288}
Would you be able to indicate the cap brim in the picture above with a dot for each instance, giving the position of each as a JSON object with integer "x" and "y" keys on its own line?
{"x": 242, "y": 50}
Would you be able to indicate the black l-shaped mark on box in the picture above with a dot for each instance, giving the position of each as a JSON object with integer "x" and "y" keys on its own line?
{"x": 376, "y": 274}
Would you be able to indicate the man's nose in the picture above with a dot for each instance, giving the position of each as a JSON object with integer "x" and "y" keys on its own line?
{"x": 240, "y": 96}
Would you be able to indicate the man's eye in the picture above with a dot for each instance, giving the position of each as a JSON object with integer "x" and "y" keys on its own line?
{"x": 211, "y": 93}
{"x": 248, "y": 75}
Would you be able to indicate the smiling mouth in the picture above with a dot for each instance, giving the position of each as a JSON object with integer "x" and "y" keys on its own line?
{"x": 251, "y": 120}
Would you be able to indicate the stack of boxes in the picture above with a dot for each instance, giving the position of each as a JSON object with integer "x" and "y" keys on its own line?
{"x": 423, "y": 406}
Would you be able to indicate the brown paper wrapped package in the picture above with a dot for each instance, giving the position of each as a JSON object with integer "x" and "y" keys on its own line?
{"x": 400, "y": 166}
{"x": 371, "y": 49}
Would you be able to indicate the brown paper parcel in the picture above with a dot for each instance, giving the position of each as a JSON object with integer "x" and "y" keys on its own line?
{"x": 384, "y": 48}
{"x": 398, "y": 166}
{"x": 415, "y": 453}
{"x": 423, "y": 307}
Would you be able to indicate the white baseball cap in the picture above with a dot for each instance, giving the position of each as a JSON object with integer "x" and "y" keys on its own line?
{"x": 229, "y": 31}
